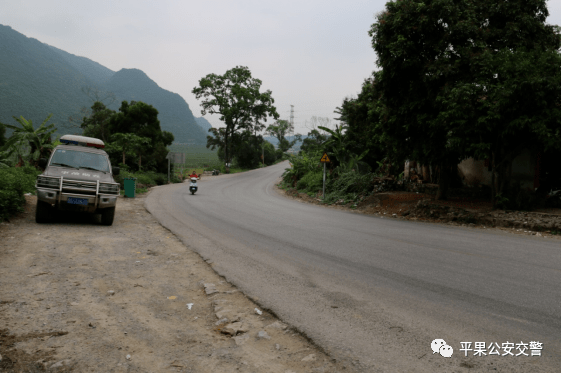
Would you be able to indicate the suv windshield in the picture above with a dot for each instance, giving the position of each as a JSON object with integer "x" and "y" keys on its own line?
{"x": 79, "y": 159}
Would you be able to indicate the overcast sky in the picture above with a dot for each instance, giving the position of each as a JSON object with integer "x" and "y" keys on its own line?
{"x": 310, "y": 54}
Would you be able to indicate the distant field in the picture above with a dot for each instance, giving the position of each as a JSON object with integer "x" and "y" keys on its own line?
{"x": 196, "y": 156}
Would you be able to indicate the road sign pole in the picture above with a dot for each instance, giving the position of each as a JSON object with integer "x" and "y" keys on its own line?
{"x": 324, "y": 160}
{"x": 169, "y": 162}
{"x": 323, "y": 198}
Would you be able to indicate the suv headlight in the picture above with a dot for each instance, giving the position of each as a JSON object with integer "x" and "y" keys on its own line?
{"x": 109, "y": 188}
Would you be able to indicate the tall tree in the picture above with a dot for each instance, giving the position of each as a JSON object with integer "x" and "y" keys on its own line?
{"x": 130, "y": 144}
{"x": 141, "y": 119}
{"x": 96, "y": 124}
{"x": 455, "y": 75}
{"x": 280, "y": 129}
{"x": 360, "y": 120}
{"x": 248, "y": 151}
{"x": 236, "y": 97}
{"x": 313, "y": 141}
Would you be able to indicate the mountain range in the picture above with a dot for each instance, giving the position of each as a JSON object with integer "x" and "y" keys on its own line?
{"x": 37, "y": 79}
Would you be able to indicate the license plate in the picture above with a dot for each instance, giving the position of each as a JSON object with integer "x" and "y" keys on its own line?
{"x": 77, "y": 201}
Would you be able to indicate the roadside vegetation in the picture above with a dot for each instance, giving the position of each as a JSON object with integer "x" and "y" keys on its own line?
{"x": 244, "y": 109}
{"x": 18, "y": 162}
{"x": 15, "y": 183}
{"x": 133, "y": 140}
{"x": 458, "y": 80}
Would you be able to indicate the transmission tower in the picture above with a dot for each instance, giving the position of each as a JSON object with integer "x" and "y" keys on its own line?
{"x": 292, "y": 120}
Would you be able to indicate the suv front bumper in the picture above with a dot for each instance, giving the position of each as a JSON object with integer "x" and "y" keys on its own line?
{"x": 60, "y": 200}
{"x": 56, "y": 191}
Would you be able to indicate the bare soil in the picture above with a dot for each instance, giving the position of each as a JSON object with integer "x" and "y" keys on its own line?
{"x": 76, "y": 296}
{"x": 459, "y": 210}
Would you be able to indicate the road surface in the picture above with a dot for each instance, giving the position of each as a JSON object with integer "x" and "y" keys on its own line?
{"x": 376, "y": 290}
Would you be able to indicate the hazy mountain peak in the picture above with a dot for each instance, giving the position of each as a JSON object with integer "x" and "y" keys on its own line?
{"x": 37, "y": 79}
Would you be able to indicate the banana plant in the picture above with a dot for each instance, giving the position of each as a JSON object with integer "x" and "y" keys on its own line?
{"x": 38, "y": 140}
{"x": 336, "y": 142}
{"x": 347, "y": 160}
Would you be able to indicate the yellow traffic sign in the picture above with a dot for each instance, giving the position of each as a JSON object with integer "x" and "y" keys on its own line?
{"x": 324, "y": 158}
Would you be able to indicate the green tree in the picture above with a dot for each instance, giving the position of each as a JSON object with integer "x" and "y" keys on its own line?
{"x": 455, "y": 79}
{"x": 314, "y": 141}
{"x": 268, "y": 151}
{"x": 96, "y": 124}
{"x": 248, "y": 150}
{"x": 141, "y": 119}
{"x": 236, "y": 97}
{"x": 338, "y": 144}
{"x": 36, "y": 143}
{"x": 280, "y": 129}
{"x": 217, "y": 140}
{"x": 360, "y": 122}
{"x": 129, "y": 144}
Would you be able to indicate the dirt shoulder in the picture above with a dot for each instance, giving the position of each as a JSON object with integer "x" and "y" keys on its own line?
{"x": 457, "y": 211}
{"x": 76, "y": 296}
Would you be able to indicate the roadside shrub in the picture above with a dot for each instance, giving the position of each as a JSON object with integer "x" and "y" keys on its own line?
{"x": 124, "y": 173}
{"x": 349, "y": 187}
{"x": 159, "y": 178}
{"x": 312, "y": 181}
{"x": 300, "y": 166}
{"x": 145, "y": 179}
{"x": 14, "y": 182}
{"x": 517, "y": 199}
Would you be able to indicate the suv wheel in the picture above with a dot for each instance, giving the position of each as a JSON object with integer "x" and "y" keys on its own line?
{"x": 107, "y": 216}
{"x": 42, "y": 212}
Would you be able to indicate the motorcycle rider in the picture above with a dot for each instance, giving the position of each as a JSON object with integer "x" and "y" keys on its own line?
{"x": 194, "y": 175}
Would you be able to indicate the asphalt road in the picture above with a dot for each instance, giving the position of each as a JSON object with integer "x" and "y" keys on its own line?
{"x": 370, "y": 290}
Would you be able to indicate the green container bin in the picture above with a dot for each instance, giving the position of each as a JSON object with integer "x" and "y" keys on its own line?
{"x": 130, "y": 186}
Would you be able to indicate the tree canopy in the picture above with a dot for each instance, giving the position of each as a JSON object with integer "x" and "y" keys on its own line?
{"x": 360, "y": 119}
{"x": 133, "y": 130}
{"x": 235, "y": 96}
{"x": 462, "y": 79}
{"x": 96, "y": 124}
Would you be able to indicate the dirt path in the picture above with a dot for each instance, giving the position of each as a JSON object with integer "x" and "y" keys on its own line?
{"x": 77, "y": 296}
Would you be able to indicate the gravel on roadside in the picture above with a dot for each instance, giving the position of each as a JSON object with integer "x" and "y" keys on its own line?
{"x": 77, "y": 296}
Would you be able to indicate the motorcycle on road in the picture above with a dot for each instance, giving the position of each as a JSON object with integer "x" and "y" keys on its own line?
{"x": 193, "y": 186}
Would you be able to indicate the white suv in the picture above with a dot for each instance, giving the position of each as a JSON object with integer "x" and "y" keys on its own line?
{"x": 77, "y": 177}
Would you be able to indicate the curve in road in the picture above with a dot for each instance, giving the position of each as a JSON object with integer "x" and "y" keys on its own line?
{"x": 374, "y": 290}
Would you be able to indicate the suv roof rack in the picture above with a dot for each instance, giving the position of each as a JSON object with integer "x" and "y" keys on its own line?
{"x": 82, "y": 140}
